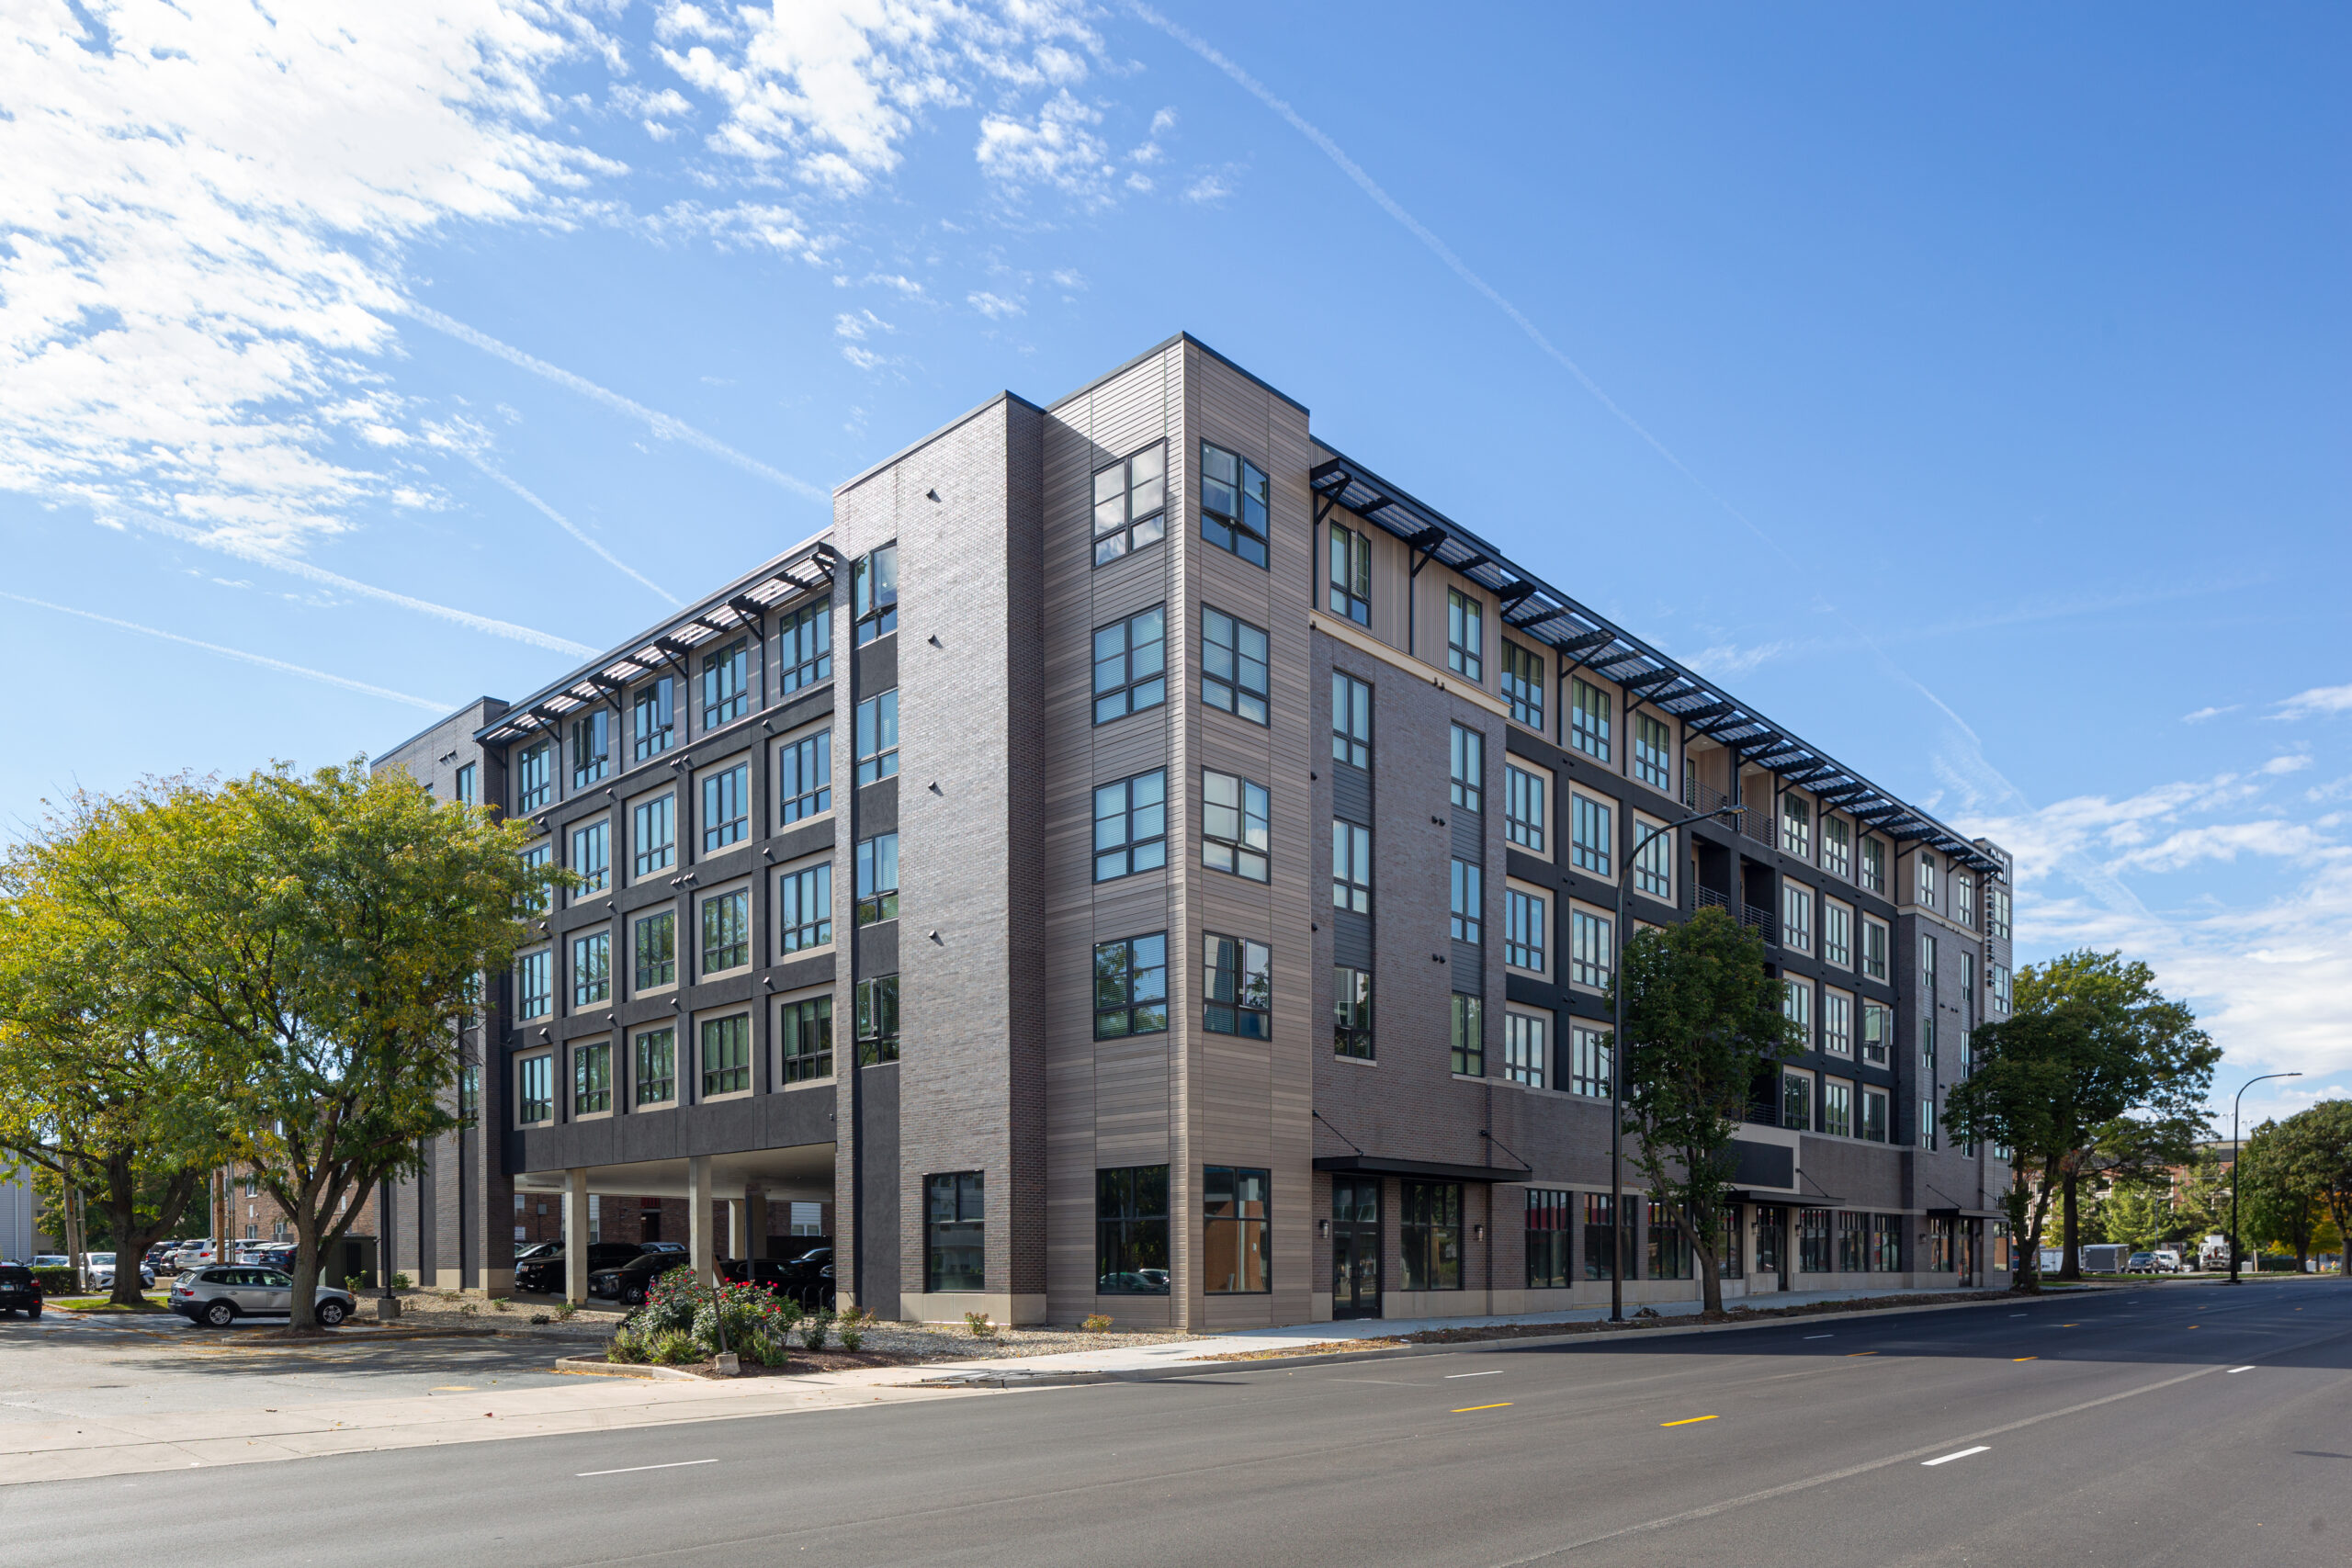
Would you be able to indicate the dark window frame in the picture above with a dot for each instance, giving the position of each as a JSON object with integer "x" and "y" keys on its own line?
{"x": 1131, "y": 1214}
{"x": 533, "y": 777}
{"x": 1465, "y": 634}
{"x": 1236, "y": 987}
{"x": 876, "y": 1021}
{"x": 804, "y": 776}
{"x": 876, "y": 736}
{"x": 1351, "y": 1012}
{"x": 804, "y": 908}
{"x": 804, "y": 647}
{"x": 591, "y": 969}
{"x": 877, "y": 865}
{"x": 725, "y": 806}
{"x": 1351, "y": 867}
{"x": 1430, "y": 1234}
{"x": 1466, "y": 901}
{"x": 874, "y": 594}
{"x": 1548, "y": 1245}
{"x": 648, "y": 859}
{"x": 667, "y": 973}
{"x": 1236, "y": 837}
{"x": 737, "y": 899}
{"x": 1141, "y": 826}
{"x": 805, "y": 1040}
{"x": 1466, "y": 1024}
{"x": 955, "y": 1230}
{"x": 1466, "y": 759}
{"x": 1348, "y": 574}
{"x": 1130, "y": 504}
{"x": 654, "y": 1079}
{"x": 1351, "y": 720}
{"x": 654, "y": 717}
{"x": 1522, "y": 684}
{"x": 726, "y": 685}
{"x": 592, "y": 1078}
{"x": 1228, "y": 664}
{"x": 1235, "y": 510}
{"x": 1131, "y": 986}
{"x": 592, "y": 746}
{"x": 1131, "y": 677}
{"x": 1247, "y": 1236}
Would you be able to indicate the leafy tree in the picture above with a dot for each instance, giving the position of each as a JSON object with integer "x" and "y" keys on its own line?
{"x": 2277, "y": 1208}
{"x": 1707, "y": 1024}
{"x": 2094, "y": 1070}
{"x": 2315, "y": 1157}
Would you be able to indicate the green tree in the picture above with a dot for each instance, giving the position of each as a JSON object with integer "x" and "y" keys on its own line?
{"x": 2275, "y": 1206}
{"x": 2315, "y": 1157}
{"x": 1707, "y": 1024}
{"x": 2094, "y": 1071}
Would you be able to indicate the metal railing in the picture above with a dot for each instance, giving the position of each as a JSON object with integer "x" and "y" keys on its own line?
{"x": 1708, "y": 898}
{"x": 1761, "y": 922}
{"x": 1704, "y": 797}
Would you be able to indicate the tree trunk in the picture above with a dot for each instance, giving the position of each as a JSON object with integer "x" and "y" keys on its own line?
{"x": 303, "y": 1311}
{"x": 2070, "y": 1262}
{"x": 130, "y": 1242}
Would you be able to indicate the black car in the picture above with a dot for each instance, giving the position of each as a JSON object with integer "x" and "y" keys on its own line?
{"x": 810, "y": 1279}
{"x": 19, "y": 1290}
{"x": 628, "y": 1283}
{"x": 545, "y": 1272}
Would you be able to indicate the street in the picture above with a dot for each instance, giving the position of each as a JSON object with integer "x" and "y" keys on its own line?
{"x": 2152, "y": 1426}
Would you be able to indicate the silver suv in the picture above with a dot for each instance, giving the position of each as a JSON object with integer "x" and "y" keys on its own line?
{"x": 220, "y": 1295}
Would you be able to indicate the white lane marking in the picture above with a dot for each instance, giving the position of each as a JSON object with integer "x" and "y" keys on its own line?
{"x": 633, "y": 1469}
{"x": 1496, "y": 1373}
{"x": 1821, "y": 1337}
{"x": 1981, "y": 1448}
{"x": 2017, "y": 1314}
{"x": 2235, "y": 1370}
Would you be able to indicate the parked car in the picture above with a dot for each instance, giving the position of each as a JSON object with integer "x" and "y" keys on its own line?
{"x": 19, "y": 1290}
{"x": 545, "y": 1272}
{"x": 2169, "y": 1261}
{"x": 193, "y": 1255}
{"x": 160, "y": 1256}
{"x": 2141, "y": 1263}
{"x": 49, "y": 1260}
{"x": 628, "y": 1283}
{"x": 810, "y": 1279}
{"x": 218, "y": 1296}
{"x": 102, "y": 1272}
{"x": 664, "y": 1245}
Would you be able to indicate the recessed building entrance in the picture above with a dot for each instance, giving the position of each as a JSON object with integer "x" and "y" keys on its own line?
{"x": 1355, "y": 1246}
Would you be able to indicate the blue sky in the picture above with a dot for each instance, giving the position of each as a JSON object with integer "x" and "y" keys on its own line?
{"x": 1965, "y": 389}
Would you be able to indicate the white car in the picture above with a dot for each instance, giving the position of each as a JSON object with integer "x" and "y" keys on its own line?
{"x": 218, "y": 1296}
{"x": 102, "y": 1272}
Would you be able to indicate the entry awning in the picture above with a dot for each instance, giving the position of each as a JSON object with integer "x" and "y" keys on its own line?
{"x": 1383, "y": 1164}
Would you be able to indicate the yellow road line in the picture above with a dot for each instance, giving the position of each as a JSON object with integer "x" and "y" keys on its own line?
{"x": 1851, "y": 1354}
{"x": 2025, "y": 1358}
{"x": 1468, "y": 1408}
{"x": 1688, "y": 1420}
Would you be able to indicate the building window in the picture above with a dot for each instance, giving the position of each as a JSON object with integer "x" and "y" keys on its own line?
{"x": 1131, "y": 1231}
{"x": 1237, "y": 990}
{"x": 804, "y": 772}
{"x": 1878, "y": 1032}
{"x": 1924, "y": 887}
{"x": 655, "y": 940}
{"x": 725, "y": 932}
{"x": 1591, "y": 960}
{"x": 2001, "y": 995}
{"x": 592, "y": 859}
{"x": 1468, "y": 760}
{"x": 653, "y": 833}
{"x": 1523, "y": 684}
{"x": 1837, "y": 934}
{"x": 1796, "y": 915}
{"x": 1836, "y": 846}
{"x": 1351, "y": 867}
{"x": 1591, "y": 834}
{"x": 654, "y": 717}
{"x": 1589, "y": 1071}
{"x": 591, "y": 747}
{"x": 535, "y": 984}
{"x": 808, "y": 1049}
{"x": 1670, "y": 1248}
{"x": 1131, "y": 503}
{"x": 1131, "y": 826}
{"x": 955, "y": 1221}
{"x": 1875, "y": 865}
{"x": 1997, "y": 908}
{"x": 804, "y": 647}
{"x": 1546, "y": 1246}
{"x": 1527, "y": 1040}
{"x": 1350, "y": 721}
{"x": 1874, "y": 939}
{"x": 1796, "y": 1006}
{"x": 1796, "y": 1101}
{"x": 1796, "y": 828}
{"x": 1467, "y": 1019}
{"x": 877, "y": 737}
{"x": 1886, "y": 1243}
{"x": 877, "y": 879}
{"x": 1654, "y": 753}
{"x": 1524, "y": 930}
{"x": 1853, "y": 1242}
{"x": 1131, "y": 665}
{"x": 725, "y": 806}
{"x": 1351, "y": 1012}
{"x": 1430, "y": 1232}
{"x": 725, "y": 1056}
{"x": 1837, "y": 1108}
{"x": 1730, "y": 1238}
{"x": 727, "y": 683}
{"x": 1233, "y": 665}
{"x": 1131, "y": 987}
{"x": 470, "y": 1093}
{"x": 468, "y": 785}
{"x": 1874, "y": 1116}
{"x": 1350, "y": 575}
{"x": 1600, "y": 1237}
{"x": 1589, "y": 719}
{"x": 1813, "y": 1241}
{"x": 533, "y": 777}
{"x": 1936, "y": 1237}
{"x": 535, "y": 1090}
{"x": 1927, "y": 1121}
{"x": 1237, "y": 1255}
{"x": 1523, "y": 811}
{"x": 1233, "y": 825}
{"x": 1468, "y": 886}
{"x": 804, "y": 913}
{"x": 1654, "y": 862}
{"x": 592, "y": 1079}
{"x": 1233, "y": 498}
{"x": 1836, "y": 1022}
{"x": 878, "y": 1019}
{"x": 874, "y": 594}
{"x": 591, "y": 969}
{"x": 1465, "y": 634}
{"x": 1963, "y": 899}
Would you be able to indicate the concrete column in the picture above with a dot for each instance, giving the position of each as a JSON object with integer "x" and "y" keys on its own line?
{"x": 575, "y": 1237}
{"x": 755, "y": 1218}
{"x": 737, "y": 1236}
{"x": 698, "y": 1227}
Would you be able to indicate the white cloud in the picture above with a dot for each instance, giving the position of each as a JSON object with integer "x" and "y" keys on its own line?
{"x": 1207, "y": 189}
{"x": 2293, "y": 762}
{"x": 1728, "y": 661}
{"x": 864, "y": 359}
{"x": 2202, "y": 715}
{"x": 744, "y": 226}
{"x": 1069, "y": 277}
{"x": 2318, "y": 702}
{"x": 994, "y": 307}
{"x": 1151, "y": 151}
{"x": 1058, "y": 149}
{"x": 906, "y": 285}
{"x": 858, "y": 324}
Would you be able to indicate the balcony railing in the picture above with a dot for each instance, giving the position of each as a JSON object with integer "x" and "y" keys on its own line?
{"x": 1703, "y": 798}
{"x": 1761, "y": 922}
{"x": 1758, "y": 824}
{"x": 1708, "y": 898}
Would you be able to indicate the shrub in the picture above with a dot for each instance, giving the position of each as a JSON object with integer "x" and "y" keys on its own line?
{"x": 673, "y": 1349}
{"x": 744, "y": 1319}
{"x": 817, "y": 1329}
{"x": 400, "y": 1281}
{"x": 354, "y": 1282}
{"x": 500, "y": 1303}
{"x": 55, "y": 1282}
{"x": 539, "y": 1317}
{"x": 565, "y": 1313}
{"x": 466, "y": 1309}
{"x": 977, "y": 1322}
{"x": 624, "y": 1348}
{"x": 1096, "y": 1322}
{"x": 849, "y": 1323}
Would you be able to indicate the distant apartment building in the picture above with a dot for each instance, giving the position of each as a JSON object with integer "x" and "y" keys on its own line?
{"x": 1138, "y": 859}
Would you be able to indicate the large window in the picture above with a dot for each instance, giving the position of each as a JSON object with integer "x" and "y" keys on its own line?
{"x": 1796, "y": 917}
{"x": 1935, "y": 1246}
{"x": 1351, "y": 867}
{"x": 1836, "y": 846}
{"x": 1589, "y": 719}
{"x": 804, "y": 647}
{"x": 1523, "y": 683}
{"x": 1813, "y": 1241}
{"x": 1467, "y": 890}
{"x": 726, "y": 1055}
{"x": 1350, "y": 721}
{"x": 1467, "y": 759}
{"x": 1233, "y": 498}
{"x": 656, "y": 1073}
{"x": 1430, "y": 1230}
{"x": 654, "y": 717}
{"x": 1923, "y": 883}
{"x": 1796, "y": 1100}
{"x": 1526, "y": 1048}
{"x": 808, "y": 1040}
{"x": 1233, "y": 666}
{"x": 1837, "y": 934}
{"x": 1466, "y": 1034}
{"x": 1351, "y": 1012}
{"x": 1837, "y": 1108}
{"x": 1853, "y": 1242}
{"x": 1131, "y": 987}
{"x": 1237, "y": 987}
{"x": 1350, "y": 575}
{"x": 725, "y": 806}
{"x": 591, "y": 858}
{"x": 1796, "y": 828}
{"x": 1131, "y": 503}
{"x": 1131, "y": 826}
{"x": 1654, "y": 753}
{"x": 1591, "y": 959}
{"x": 1996, "y": 914}
{"x": 1836, "y": 1022}
{"x": 1602, "y": 1237}
{"x": 533, "y": 777}
{"x": 1796, "y": 1006}
{"x": 1131, "y": 1231}
{"x": 535, "y": 984}
{"x": 1131, "y": 665}
{"x": 1874, "y": 1116}
{"x": 653, "y": 937}
{"x": 1730, "y": 1235}
{"x": 592, "y": 1079}
{"x": 1589, "y": 1065}
{"x": 877, "y": 1020}
{"x": 877, "y": 737}
{"x": 1886, "y": 1243}
{"x": 591, "y": 969}
{"x": 1875, "y": 942}
{"x": 591, "y": 747}
{"x": 1236, "y": 1254}
{"x": 1546, "y": 1247}
{"x": 1525, "y": 942}
{"x": 653, "y": 833}
{"x": 1875, "y": 865}
{"x": 804, "y": 908}
{"x": 954, "y": 1235}
{"x": 803, "y": 775}
{"x": 1233, "y": 825}
{"x": 877, "y": 879}
{"x": 467, "y": 790}
{"x": 725, "y": 932}
{"x": 1654, "y": 862}
{"x": 1592, "y": 835}
{"x": 535, "y": 1090}
{"x": 874, "y": 594}
{"x": 1670, "y": 1248}
{"x": 1524, "y": 809}
{"x": 1465, "y": 634}
{"x": 727, "y": 683}
{"x": 1878, "y": 1032}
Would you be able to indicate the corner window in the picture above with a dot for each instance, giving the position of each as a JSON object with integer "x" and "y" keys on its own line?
{"x": 535, "y": 984}
{"x": 592, "y": 1079}
{"x": 1233, "y": 825}
{"x": 1654, "y": 753}
{"x": 1589, "y": 719}
{"x": 1131, "y": 503}
{"x": 1430, "y": 1234}
{"x": 1350, "y": 575}
{"x": 468, "y": 790}
{"x": 1591, "y": 959}
{"x": 804, "y": 647}
{"x": 804, "y": 908}
{"x": 1465, "y": 636}
{"x": 1236, "y": 1257}
{"x": 1466, "y": 1034}
{"x": 954, "y": 1217}
{"x": 591, "y": 747}
{"x": 1233, "y": 498}
{"x": 804, "y": 774}
{"x": 1467, "y": 758}
{"x": 653, "y": 937}
{"x": 1131, "y": 826}
{"x": 725, "y": 932}
{"x": 1526, "y": 1046}
{"x": 1233, "y": 665}
{"x": 727, "y": 683}
{"x": 725, "y": 806}
{"x": 877, "y": 737}
{"x": 1131, "y": 987}
{"x": 1588, "y": 1067}
{"x": 725, "y": 1056}
{"x": 1351, "y": 867}
{"x": 1131, "y": 1231}
{"x": 1351, "y": 1012}
{"x": 1467, "y": 886}
{"x": 533, "y": 777}
{"x": 806, "y": 1034}
{"x": 591, "y": 969}
{"x": 654, "y": 717}
{"x": 877, "y": 879}
{"x": 653, "y": 833}
{"x": 874, "y": 594}
{"x": 1592, "y": 835}
{"x": 656, "y": 1069}
{"x": 535, "y": 1090}
{"x": 1131, "y": 665}
{"x": 1237, "y": 990}
{"x": 1523, "y": 808}
{"x": 592, "y": 859}
{"x": 1523, "y": 684}
{"x": 1350, "y": 721}
{"x": 877, "y": 1020}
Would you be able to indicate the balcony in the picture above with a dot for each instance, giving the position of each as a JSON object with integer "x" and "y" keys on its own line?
{"x": 1704, "y": 797}
{"x": 1761, "y": 922}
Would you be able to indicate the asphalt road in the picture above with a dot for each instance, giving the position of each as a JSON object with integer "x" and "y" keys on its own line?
{"x": 2172, "y": 1425}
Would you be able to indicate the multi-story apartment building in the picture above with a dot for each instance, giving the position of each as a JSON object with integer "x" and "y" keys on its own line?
{"x": 1138, "y": 859}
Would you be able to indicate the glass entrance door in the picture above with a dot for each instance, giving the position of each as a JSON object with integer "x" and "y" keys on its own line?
{"x": 1771, "y": 1241}
{"x": 1355, "y": 1246}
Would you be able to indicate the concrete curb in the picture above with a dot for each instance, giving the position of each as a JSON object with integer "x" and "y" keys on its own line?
{"x": 602, "y": 1369}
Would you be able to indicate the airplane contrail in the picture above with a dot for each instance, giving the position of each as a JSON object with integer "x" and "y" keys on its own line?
{"x": 561, "y": 521}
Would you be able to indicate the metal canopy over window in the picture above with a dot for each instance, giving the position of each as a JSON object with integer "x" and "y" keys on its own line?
{"x": 1586, "y": 640}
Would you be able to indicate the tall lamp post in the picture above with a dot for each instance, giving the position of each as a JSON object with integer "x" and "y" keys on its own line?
{"x": 1617, "y": 1061}
{"x": 2237, "y": 1164}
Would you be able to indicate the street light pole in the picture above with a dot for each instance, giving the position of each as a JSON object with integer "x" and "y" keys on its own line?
{"x": 2237, "y": 1163}
{"x": 1617, "y": 1064}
